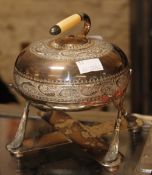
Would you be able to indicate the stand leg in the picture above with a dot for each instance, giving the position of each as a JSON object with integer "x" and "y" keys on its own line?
{"x": 19, "y": 137}
{"x": 113, "y": 157}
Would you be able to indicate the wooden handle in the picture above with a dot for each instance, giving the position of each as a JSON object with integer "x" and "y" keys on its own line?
{"x": 66, "y": 24}
{"x": 70, "y": 22}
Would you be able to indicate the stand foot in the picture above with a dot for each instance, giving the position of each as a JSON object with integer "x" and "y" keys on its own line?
{"x": 113, "y": 158}
{"x": 113, "y": 165}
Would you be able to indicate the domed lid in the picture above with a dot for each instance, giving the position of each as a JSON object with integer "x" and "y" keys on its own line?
{"x": 72, "y": 55}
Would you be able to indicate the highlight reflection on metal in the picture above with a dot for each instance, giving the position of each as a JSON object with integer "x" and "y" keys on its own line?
{"x": 56, "y": 68}
{"x": 113, "y": 151}
{"x": 87, "y": 93}
{"x": 113, "y": 157}
{"x": 19, "y": 137}
{"x": 50, "y": 75}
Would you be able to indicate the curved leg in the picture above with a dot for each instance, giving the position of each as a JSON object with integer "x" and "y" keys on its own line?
{"x": 112, "y": 157}
{"x": 19, "y": 137}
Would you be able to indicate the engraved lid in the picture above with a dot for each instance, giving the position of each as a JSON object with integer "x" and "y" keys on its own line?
{"x": 70, "y": 57}
{"x": 71, "y": 72}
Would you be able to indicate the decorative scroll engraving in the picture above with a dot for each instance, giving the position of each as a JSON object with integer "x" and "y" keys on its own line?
{"x": 67, "y": 92}
{"x": 44, "y": 89}
{"x": 94, "y": 48}
{"x": 89, "y": 90}
{"x": 95, "y": 90}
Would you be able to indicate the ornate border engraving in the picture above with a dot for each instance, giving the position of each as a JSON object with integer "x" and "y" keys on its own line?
{"x": 94, "y": 48}
{"x": 98, "y": 90}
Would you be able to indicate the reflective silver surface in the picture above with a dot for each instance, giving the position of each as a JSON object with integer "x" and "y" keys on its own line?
{"x": 74, "y": 72}
{"x": 19, "y": 136}
{"x": 71, "y": 72}
{"x": 145, "y": 163}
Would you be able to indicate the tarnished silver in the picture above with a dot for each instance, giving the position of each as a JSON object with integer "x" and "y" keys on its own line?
{"x": 75, "y": 94}
{"x": 48, "y": 74}
{"x": 49, "y": 49}
{"x": 19, "y": 137}
{"x": 73, "y": 72}
{"x": 113, "y": 152}
{"x": 113, "y": 157}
